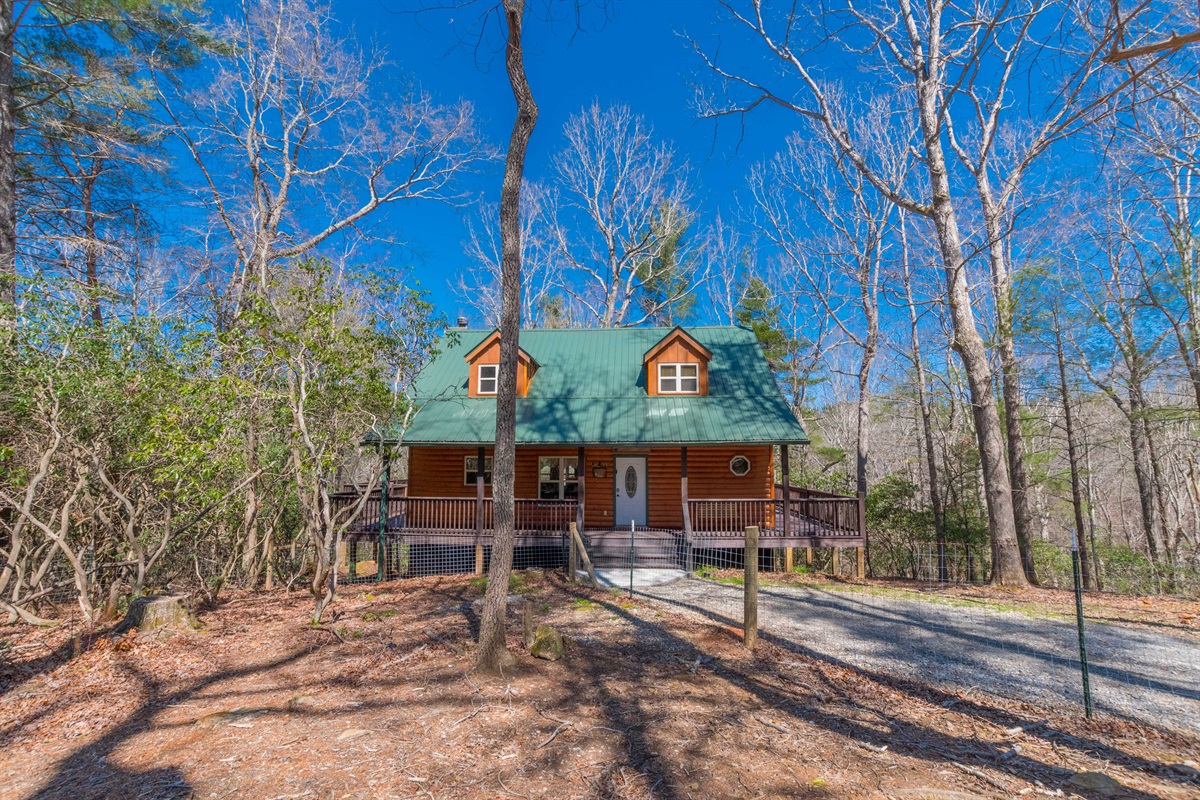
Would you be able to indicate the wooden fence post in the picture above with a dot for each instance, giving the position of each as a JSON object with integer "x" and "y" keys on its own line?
{"x": 572, "y": 559}
{"x": 750, "y": 593}
{"x": 587, "y": 561}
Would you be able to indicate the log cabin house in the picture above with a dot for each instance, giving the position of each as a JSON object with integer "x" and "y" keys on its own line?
{"x": 673, "y": 432}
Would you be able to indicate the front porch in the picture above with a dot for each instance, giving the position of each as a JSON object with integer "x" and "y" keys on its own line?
{"x": 796, "y": 517}
{"x": 432, "y": 534}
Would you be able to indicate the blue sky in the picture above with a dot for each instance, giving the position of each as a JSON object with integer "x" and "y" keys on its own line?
{"x": 639, "y": 57}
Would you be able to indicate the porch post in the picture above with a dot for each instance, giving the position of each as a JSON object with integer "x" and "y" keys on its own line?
{"x": 687, "y": 512}
{"x": 479, "y": 463}
{"x": 785, "y": 463}
{"x": 580, "y": 469}
{"x": 683, "y": 493}
{"x": 862, "y": 531}
{"x": 384, "y": 479}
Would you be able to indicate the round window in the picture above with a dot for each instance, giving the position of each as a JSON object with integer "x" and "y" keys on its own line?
{"x": 631, "y": 486}
{"x": 740, "y": 466}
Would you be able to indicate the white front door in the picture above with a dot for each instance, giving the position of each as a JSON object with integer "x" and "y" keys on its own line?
{"x": 630, "y": 480}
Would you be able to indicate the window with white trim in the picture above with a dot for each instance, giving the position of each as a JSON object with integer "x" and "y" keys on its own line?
{"x": 558, "y": 479}
{"x": 679, "y": 378}
{"x": 471, "y": 471}
{"x": 489, "y": 377}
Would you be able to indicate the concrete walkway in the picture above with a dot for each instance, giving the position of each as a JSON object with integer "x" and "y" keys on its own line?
{"x": 647, "y": 577}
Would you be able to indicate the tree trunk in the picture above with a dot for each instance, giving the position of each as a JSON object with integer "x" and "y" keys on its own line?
{"x": 1010, "y": 389}
{"x": 251, "y": 508}
{"x": 493, "y": 654}
{"x": 8, "y": 169}
{"x": 935, "y": 497}
{"x": 863, "y": 445}
{"x": 1006, "y": 557}
{"x": 1143, "y": 470}
{"x": 1073, "y": 459}
{"x": 91, "y": 250}
{"x": 1091, "y": 510}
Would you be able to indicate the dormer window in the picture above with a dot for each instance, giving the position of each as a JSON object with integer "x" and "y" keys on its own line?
{"x": 483, "y": 365}
{"x": 488, "y": 378}
{"x": 679, "y": 378}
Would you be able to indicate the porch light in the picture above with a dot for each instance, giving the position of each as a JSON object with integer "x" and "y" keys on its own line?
{"x": 599, "y": 470}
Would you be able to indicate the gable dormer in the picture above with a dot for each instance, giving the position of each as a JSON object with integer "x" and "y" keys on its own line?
{"x": 483, "y": 368}
{"x": 677, "y": 366}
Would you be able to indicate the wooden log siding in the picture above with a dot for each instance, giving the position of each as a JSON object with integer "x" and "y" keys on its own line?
{"x": 438, "y": 472}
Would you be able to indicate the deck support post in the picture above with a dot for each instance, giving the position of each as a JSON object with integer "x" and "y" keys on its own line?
{"x": 385, "y": 478}
{"x": 683, "y": 493}
{"x": 479, "y": 480}
{"x": 750, "y": 611}
{"x": 808, "y": 556}
{"x": 785, "y": 474}
{"x": 861, "y": 565}
{"x": 581, "y": 477}
{"x": 862, "y": 531}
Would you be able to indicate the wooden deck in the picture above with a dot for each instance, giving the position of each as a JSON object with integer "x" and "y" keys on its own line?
{"x": 794, "y": 518}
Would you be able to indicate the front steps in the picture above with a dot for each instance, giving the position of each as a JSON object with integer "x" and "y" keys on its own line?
{"x": 650, "y": 549}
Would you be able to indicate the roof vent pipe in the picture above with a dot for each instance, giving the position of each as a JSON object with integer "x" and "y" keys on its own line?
{"x": 461, "y": 322}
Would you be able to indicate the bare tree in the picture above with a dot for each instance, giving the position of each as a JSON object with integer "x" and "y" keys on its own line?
{"x": 921, "y": 381}
{"x": 493, "y": 652}
{"x": 8, "y": 167}
{"x": 624, "y": 203}
{"x": 480, "y": 283}
{"x": 1161, "y": 156}
{"x": 917, "y": 50}
{"x": 730, "y": 261}
{"x": 832, "y": 227}
{"x": 295, "y": 144}
{"x": 1110, "y": 290}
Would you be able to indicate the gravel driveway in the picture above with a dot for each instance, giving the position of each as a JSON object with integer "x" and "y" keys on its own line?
{"x": 1151, "y": 677}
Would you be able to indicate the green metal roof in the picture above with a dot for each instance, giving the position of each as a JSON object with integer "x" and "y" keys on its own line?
{"x": 590, "y": 389}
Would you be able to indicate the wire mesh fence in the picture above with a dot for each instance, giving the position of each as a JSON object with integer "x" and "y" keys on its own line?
{"x": 1104, "y": 567}
{"x": 415, "y": 556}
{"x": 1144, "y": 667}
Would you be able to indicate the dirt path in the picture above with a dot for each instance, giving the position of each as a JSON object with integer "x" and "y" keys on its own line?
{"x": 1138, "y": 674}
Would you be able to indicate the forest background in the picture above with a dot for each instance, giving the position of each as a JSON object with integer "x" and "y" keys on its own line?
{"x": 231, "y": 234}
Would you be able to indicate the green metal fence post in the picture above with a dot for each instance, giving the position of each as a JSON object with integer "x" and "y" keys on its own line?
{"x": 1083, "y": 662}
{"x": 632, "y": 528}
{"x": 384, "y": 480}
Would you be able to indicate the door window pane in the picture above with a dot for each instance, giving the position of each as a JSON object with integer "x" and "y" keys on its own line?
{"x": 631, "y": 481}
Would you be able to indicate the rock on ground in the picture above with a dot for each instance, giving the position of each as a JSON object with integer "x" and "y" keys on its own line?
{"x": 157, "y": 611}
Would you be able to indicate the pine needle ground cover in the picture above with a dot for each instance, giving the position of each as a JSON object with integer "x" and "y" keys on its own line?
{"x": 648, "y": 702}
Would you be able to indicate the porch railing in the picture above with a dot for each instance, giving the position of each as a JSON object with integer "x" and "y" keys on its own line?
{"x": 731, "y": 516}
{"x": 821, "y": 515}
{"x": 836, "y": 515}
{"x": 458, "y": 514}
